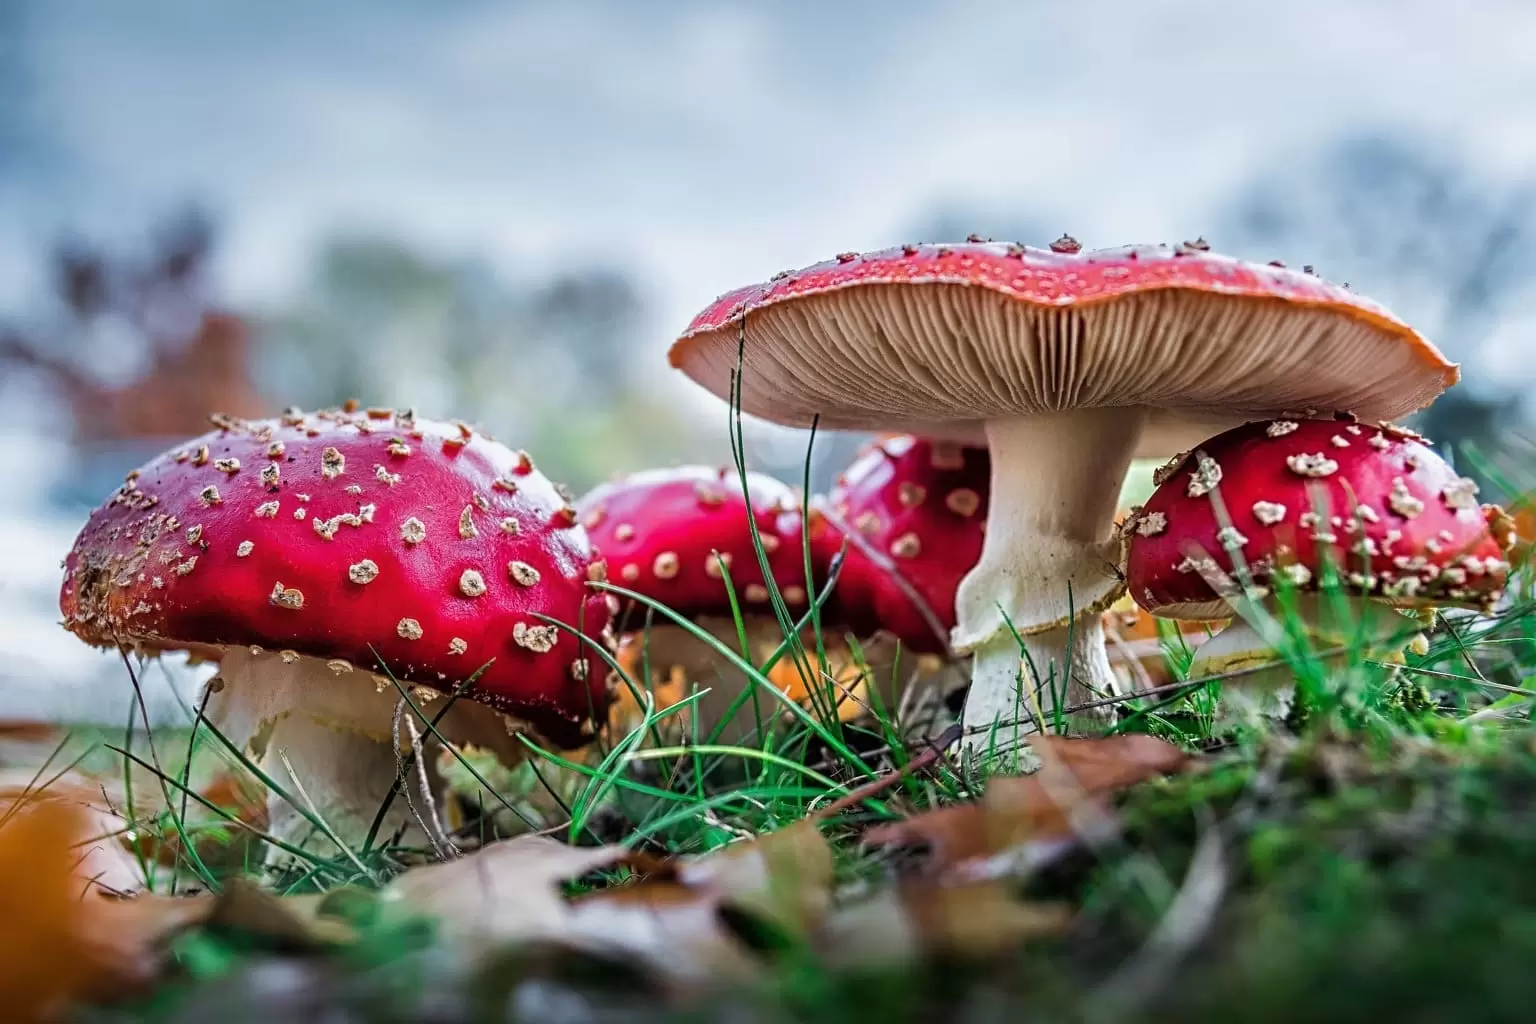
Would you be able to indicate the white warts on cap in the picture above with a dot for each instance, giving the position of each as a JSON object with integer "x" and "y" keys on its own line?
{"x": 230, "y": 466}
{"x": 1268, "y": 512}
{"x": 1205, "y": 476}
{"x": 1460, "y": 493}
{"x": 1229, "y": 537}
{"x": 1401, "y": 501}
{"x": 284, "y": 597}
{"x": 523, "y": 574}
{"x": 666, "y": 565}
{"x": 467, "y": 523}
{"x": 1317, "y": 464}
{"x": 962, "y": 501}
{"x": 458, "y": 645}
{"x": 471, "y": 583}
{"x": 332, "y": 463}
{"x": 413, "y": 531}
{"x": 538, "y": 639}
{"x": 210, "y": 496}
{"x": 408, "y": 629}
{"x": 267, "y": 510}
{"x": 1279, "y": 428}
{"x": 365, "y": 571}
{"x": 1152, "y": 524}
{"x": 244, "y": 548}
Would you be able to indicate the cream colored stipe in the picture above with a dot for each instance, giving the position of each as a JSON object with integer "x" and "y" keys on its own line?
{"x": 888, "y": 357}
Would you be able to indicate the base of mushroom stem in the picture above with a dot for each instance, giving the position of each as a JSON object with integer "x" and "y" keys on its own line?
{"x": 335, "y": 725}
{"x": 1014, "y": 694}
{"x": 347, "y": 776}
{"x": 1266, "y": 689}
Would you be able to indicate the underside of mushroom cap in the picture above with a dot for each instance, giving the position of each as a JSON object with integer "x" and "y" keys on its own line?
{"x": 355, "y": 537}
{"x": 937, "y": 339}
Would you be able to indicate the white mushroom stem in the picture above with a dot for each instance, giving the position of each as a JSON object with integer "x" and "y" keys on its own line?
{"x": 334, "y": 725}
{"x": 1048, "y": 566}
{"x": 1337, "y": 632}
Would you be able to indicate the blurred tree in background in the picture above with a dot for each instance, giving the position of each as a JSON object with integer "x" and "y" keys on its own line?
{"x": 1409, "y": 226}
{"x": 549, "y": 365}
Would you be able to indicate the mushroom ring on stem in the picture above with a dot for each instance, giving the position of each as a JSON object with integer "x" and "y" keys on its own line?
{"x": 1281, "y": 499}
{"x": 1066, "y": 364}
{"x": 306, "y": 553}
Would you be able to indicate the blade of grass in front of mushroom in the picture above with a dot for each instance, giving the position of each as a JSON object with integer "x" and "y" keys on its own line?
{"x": 187, "y": 846}
{"x": 266, "y": 780}
{"x": 745, "y": 666}
{"x": 306, "y": 855}
{"x": 431, "y": 724}
{"x": 409, "y": 758}
{"x": 738, "y": 454}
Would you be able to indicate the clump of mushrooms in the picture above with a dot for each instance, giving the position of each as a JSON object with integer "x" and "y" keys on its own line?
{"x": 307, "y": 554}
{"x": 1282, "y": 499}
{"x": 1065, "y": 364}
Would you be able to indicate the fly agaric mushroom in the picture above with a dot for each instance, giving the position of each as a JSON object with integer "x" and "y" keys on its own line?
{"x": 912, "y": 513}
{"x": 301, "y": 552}
{"x": 1400, "y": 527}
{"x": 1065, "y": 363}
{"x": 665, "y": 533}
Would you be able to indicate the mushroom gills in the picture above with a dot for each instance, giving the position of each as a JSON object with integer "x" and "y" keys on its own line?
{"x": 1339, "y": 630}
{"x": 334, "y": 724}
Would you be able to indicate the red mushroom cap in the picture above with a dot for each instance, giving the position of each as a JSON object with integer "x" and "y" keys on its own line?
{"x": 659, "y": 529}
{"x": 936, "y": 339}
{"x": 1417, "y": 535}
{"x": 914, "y": 512}
{"x": 329, "y": 532}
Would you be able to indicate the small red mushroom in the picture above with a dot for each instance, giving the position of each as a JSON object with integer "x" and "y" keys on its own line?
{"x": 913, "y": 513}
{"x": 664, "y": 533}
{"x": 1400, "y": 526}
{"x": 306, "y": 552}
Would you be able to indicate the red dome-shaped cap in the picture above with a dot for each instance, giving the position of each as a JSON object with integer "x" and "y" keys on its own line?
{"x": 1400, "y": 523}
{"x": 659, "y": 530}
{"x": 331, "y": 532}
{"x": 914, "y": 512}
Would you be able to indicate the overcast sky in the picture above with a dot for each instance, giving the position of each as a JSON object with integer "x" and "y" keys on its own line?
{"x": 707, "y": 144}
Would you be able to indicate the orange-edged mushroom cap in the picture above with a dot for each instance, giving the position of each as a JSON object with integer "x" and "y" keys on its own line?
{"x": 366, "y": 538}
{"x": 937, "y": 339}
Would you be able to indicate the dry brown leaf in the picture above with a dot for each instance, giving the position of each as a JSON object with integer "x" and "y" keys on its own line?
{"x": 505, "y": 892}
{"x": 915, "y": 922}
{"x": 784, "y": 877}
{"x": 99, "y": 850}
{"x": 1076, "y": 775}
{"x": 62, "y": 939}
{"x": 292, "y": 921}
{"x": 675, "y": 920}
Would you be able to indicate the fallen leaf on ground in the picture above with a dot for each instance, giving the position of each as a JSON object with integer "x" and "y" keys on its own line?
{"x": 916, "y": 922}
{"x": 295, "y": 922}
{"x": 63, "y": 940}
{"x": 99, "y": 847}
{"x": 681, "y": 920}
{"x": 1075, "y": 777}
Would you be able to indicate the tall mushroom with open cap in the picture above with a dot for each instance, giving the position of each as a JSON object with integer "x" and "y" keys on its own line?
{"x": 301, "y": 552}
{"x": 1066, "y": 364}
{"x": 1400, "y": 526}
